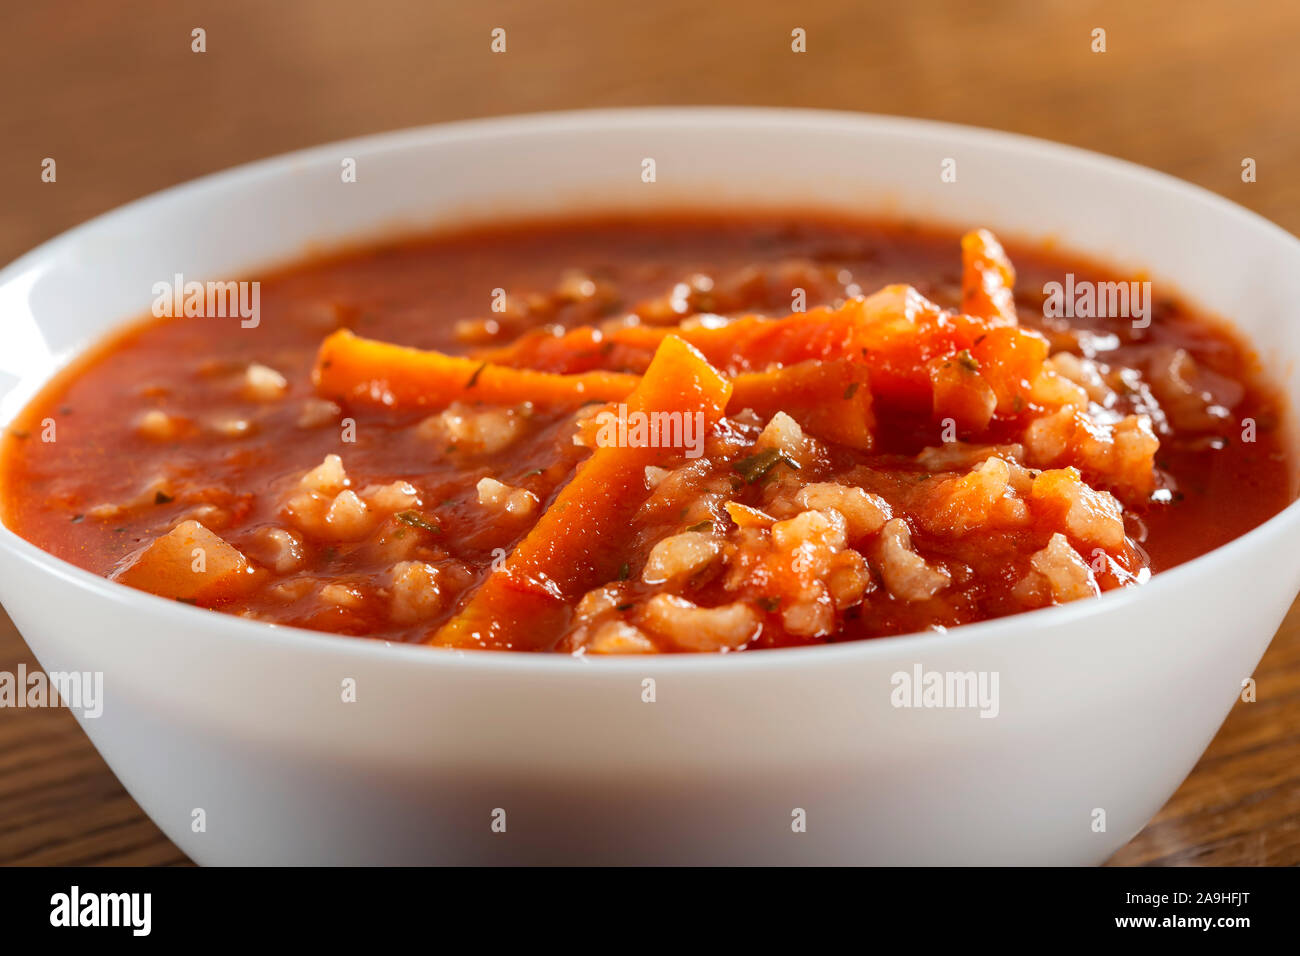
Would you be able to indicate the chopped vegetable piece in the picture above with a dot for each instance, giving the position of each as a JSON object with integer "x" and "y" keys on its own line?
{"x": 190, "y": 563}
{"x": 357, "y": 371}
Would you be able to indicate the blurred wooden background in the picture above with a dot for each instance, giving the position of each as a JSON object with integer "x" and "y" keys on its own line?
{"x": 114, "y": 94}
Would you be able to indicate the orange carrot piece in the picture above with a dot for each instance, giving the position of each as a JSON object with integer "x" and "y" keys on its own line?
{"x": 830, "y": 399}
{"x": 576, "y": 544}
{"x": 987, "y": 278}
{"x": 1010, "y": 358}
{"x": 359, "y": 371}
{"x": 961, "y": 393}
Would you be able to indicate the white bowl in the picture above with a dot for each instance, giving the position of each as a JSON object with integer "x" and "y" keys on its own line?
{"x": 1104, "y": 704}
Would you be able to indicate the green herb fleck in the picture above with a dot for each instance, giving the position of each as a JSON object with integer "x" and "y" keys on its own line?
{"x": 755, "y": 467}
{"x": 769, "y": 604}
{"x": 473, "y": 379}
{"x": 416, "y": 520}
{"x": 851, "y": 391}
{"x": 624, "y": 607}
{"x": 702, "y": 526}
{"x": 968, "y": 361}
{"x": 624, "y": 571}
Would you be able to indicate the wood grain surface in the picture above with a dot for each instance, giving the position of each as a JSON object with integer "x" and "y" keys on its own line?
{"x": 115, "y": 95}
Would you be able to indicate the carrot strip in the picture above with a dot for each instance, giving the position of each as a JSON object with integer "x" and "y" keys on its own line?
{"x": 361, "y": 371}
{"x": 987, "y": 278}
{"x": 576, "y": 543}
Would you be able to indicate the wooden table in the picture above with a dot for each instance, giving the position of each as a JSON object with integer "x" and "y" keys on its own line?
{"x": 114, "y": 94}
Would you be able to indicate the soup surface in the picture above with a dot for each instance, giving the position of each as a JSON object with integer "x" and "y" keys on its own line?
{"x": 640, "y": 435}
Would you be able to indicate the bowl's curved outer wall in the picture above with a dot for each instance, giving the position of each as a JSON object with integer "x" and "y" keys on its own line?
{"x": 1103, "y": 706}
